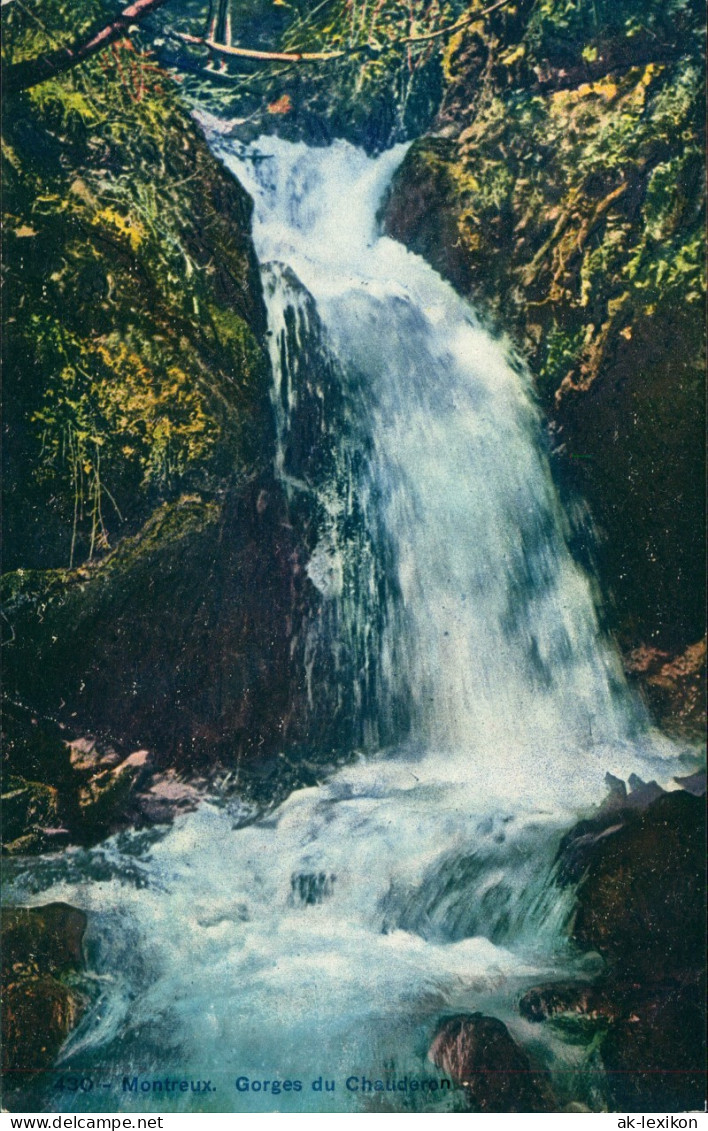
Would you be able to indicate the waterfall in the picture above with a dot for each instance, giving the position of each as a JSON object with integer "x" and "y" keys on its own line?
{"x": 456, "y": 647}
{"x": 453, "y": 607}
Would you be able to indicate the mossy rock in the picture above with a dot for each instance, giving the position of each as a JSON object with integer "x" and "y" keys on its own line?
{"x": 38, "y": 1015}
{"x": 40, "y": 945}
{"x": 179, "y": 641}
{"x": 46, "y": 939}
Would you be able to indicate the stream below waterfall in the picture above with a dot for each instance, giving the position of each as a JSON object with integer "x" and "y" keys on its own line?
{"x": 328, "y": 937}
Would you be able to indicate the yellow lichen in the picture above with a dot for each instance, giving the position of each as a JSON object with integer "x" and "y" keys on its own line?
{"x": 128, "y": 228}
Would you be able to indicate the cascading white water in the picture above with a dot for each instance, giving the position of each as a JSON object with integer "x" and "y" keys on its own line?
{"x": 491, "y": 626}
{"x": 328, "y": 937}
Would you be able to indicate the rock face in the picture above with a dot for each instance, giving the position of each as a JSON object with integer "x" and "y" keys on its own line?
{"x": 641, "y": 905}
{"x": 40, "y": 945}
{"x": 155, "y": 577}
{"x": 479, "y": 1053}
{"x": 49, "y": 937}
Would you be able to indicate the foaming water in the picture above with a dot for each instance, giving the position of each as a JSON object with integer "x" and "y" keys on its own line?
{"x": 457, "y": 640}
{"x": 488, "y": 628}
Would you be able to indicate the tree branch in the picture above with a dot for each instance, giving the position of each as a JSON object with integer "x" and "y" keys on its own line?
{"x": 323, "y": 56}
{"x": 267, "y": 56}
{"x": 22, "y": 76}
{"x": 451, "y": 28}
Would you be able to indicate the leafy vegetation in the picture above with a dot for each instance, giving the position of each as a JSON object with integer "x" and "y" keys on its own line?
{"x": 133, "y": 367}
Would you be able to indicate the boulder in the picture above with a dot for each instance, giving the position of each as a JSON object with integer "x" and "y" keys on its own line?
{"x": 640, "y": 904}
{"x": 479, "y": 1053}
{"x": 655, "y": 1054}
{"x": 38, "y": 1015}
{"x": 40, "y": 945}
{"x": 48, "y": 938}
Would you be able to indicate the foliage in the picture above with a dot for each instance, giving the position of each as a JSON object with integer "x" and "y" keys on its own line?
{"x": 132, "y": 368}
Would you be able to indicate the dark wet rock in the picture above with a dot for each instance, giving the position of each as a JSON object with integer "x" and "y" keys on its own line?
{"x": 577, "y": 999}
{"x": 166, "y": 622}
{"x": 674, "y": 685}
{"x": 30, "y": 809}
{"x": 517, "y": 198}
{"x": 47, "y": 938}
{"x": 166, "y": 796}
{"x": 38, "y": 1015}
{"x": 693, "y": 783}
{"x": 479, "y": 1053}
{"x": 40, "y": 947}
{"x": 641, "y": 904}
{"x": 98, "y": 788}
{"x": 655, "y": 1053}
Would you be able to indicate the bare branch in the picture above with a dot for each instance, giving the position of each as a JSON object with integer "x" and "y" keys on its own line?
{"x": 324, "y": 56}
{"x": 451, "y": 28}
{"x": 247, "y": 53}
{"x": 29, "y": 72}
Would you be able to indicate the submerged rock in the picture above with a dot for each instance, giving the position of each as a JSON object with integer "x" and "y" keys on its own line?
{"x": 479, "y": 1053}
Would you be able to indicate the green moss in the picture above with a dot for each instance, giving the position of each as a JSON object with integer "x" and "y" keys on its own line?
{"x": 132, "y": 349}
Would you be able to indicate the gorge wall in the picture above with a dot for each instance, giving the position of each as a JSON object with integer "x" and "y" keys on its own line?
{"x": 153, "y": 579}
